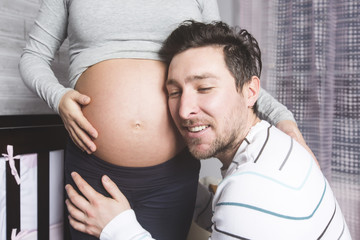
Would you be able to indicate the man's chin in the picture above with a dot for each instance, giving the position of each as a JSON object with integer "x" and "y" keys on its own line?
{"x": 200, "y": 153}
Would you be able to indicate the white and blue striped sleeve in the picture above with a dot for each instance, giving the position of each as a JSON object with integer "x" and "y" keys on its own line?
{"x": 125, "y": 227}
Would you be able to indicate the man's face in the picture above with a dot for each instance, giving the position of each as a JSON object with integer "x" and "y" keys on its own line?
{"x": 208, "y": 110}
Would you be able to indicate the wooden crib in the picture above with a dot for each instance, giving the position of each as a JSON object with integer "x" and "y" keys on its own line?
{"x": 31, "y": 134}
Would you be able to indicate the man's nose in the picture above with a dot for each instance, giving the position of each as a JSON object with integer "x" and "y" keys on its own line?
{"x": 188, "y": 105}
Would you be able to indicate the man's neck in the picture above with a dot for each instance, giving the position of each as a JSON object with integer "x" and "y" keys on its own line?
{"x": 226, "y": 157}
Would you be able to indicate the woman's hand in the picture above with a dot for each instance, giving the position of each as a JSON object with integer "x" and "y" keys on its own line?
{"x": 79, "y": 128}
{"x": 290, "y": 128}
{"x": 91, "y": 214}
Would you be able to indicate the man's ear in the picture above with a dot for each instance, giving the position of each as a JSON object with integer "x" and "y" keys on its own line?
{"x": 253, "y": 89}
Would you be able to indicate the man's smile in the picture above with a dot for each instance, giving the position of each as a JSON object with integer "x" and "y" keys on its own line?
{"x": 197, "y": 128}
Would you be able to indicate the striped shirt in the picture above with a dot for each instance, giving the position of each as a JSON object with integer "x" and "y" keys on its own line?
{"x": 273, "y": 189}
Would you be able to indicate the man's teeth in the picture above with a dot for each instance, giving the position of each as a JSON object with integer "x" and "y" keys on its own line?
{"x": 197, "y": 128}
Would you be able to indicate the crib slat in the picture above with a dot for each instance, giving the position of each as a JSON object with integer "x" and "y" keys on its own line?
{"x": 31, "y": 134}
{"x": 12, "y": 201}
{"x": 43, "y": 195}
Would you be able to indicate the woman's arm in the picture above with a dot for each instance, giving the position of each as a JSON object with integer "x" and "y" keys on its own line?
{"x": 271, "y": 110}
{"x": 48, "y": 33}
{"x": 45, "y": 39}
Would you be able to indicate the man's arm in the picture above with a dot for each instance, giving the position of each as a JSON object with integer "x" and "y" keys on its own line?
{"x": 100, "y": 216}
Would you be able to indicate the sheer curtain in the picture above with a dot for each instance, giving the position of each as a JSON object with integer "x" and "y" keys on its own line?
{"x": 311, "y": 55}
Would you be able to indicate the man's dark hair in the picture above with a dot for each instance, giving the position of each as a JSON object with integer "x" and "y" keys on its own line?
{"x": 241, "y": 50}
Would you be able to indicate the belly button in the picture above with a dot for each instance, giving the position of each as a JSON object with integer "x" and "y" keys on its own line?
{"x": 137, "y": 125}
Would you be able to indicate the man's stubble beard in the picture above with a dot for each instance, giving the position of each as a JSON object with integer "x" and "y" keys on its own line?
{"x": 227, "y": 141}
{"x": 217, "y": 147}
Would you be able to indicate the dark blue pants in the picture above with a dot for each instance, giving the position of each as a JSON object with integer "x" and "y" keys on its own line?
{"x": 162, "y": 196}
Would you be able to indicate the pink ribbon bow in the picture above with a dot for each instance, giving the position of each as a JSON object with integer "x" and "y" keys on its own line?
{"x": 10, "y": 157}
{"x": 20, "y": 235}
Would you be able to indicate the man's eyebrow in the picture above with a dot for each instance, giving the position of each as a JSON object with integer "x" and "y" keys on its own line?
{"x": 191, "y": 78}
{"x": 170, "y": 81}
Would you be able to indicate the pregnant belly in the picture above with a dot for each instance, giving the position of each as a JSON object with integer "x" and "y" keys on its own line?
{"x": 129, "y": 110}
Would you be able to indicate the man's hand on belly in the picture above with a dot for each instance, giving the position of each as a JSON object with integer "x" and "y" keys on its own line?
{"x": 91, "y": 214}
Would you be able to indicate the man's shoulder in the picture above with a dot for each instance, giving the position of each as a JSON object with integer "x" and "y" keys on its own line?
{"x": 281, "y": 178}
{"x": 276, "y": 169}
{"x": 270, "y": 148}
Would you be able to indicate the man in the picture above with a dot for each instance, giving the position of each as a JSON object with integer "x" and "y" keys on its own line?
{"x": 272, "y": 187}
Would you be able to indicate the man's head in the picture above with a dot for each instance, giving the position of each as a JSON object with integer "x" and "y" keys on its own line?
{"x": 213, "y": 85}
{"x": 242, "y": 54}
